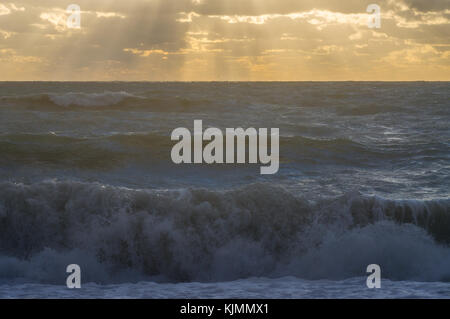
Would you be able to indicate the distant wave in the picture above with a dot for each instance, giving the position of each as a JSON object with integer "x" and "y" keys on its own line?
{"x": 123, "y": 235}
{"x": 104, "y": 100}
{"x": 74, "y": 99}
{"x": 91, "y": 99}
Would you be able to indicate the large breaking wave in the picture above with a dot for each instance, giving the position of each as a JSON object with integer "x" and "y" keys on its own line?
{"x": 123, "y": 235}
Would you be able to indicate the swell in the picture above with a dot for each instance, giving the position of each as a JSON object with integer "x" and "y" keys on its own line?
{"x": 120, "y": 234}
{"x": 115, "y": 150}
{"x": 120, "y": 100}
{"x": 70, "y": 99}
{"x": 101, "y": 152}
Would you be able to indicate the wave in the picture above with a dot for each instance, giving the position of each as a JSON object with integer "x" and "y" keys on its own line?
{"x": 99, "y": 152}
{"x": 369, "y": 109}
{"x": 118, "y": 149}
{"x": 105, "y": 100}
{"x": 123, "y": 235}
{"x": 91, "y": 99}
{"x": 72, "y": 99}
{"x": 113, "y": 150}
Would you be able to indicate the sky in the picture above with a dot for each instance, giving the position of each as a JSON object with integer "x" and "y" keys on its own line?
{"x": 224, "y": 40}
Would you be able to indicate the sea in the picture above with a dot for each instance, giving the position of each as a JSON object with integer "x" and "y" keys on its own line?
{"x": 86, "y": 178}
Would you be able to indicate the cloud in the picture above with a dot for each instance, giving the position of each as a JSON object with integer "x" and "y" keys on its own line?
{"x": 224, "y": 40}
{"x": 8, "y": 8}
{"x": 428, "y": 5}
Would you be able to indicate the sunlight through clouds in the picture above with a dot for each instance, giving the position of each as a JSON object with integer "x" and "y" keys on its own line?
{"x": 231, "y": 40}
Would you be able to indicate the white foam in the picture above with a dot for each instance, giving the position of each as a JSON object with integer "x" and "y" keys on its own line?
{"x": 252, "y": 288}
{"x": 201, "y": 235}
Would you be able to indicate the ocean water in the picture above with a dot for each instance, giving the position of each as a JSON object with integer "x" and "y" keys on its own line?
{"x": 86, "y": 178}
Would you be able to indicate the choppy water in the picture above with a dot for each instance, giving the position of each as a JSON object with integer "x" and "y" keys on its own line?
{"x": 86, "y": 177}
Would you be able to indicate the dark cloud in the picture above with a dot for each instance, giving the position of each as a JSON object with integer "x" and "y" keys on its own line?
{"x": 428, "y": 5}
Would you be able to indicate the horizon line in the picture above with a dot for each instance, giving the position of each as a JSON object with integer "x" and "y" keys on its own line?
{"x": 216, "y": 81}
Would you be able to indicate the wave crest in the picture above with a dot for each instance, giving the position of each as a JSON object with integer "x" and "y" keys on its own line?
{"x": 90, "y": 99}
{"x": 73, "y": 99}
{"x": 196, "y": 234}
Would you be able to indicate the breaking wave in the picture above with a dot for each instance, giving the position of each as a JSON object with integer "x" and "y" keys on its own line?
{"x": 105, "y": 100}
{"x": 72, "y": 99}
{"x": 123, "y": 235}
